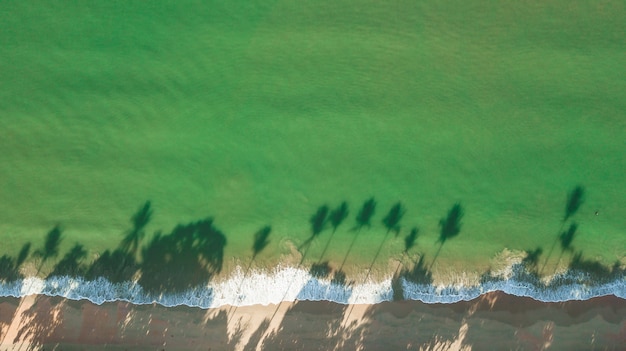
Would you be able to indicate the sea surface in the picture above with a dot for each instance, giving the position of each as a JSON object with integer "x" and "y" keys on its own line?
{"x": 270, "y": 114}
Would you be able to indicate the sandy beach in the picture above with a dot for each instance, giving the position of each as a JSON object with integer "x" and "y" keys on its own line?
{"x": 492, "y": 321}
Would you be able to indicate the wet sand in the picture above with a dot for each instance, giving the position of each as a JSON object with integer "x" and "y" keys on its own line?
{"x": 492, "y": 321}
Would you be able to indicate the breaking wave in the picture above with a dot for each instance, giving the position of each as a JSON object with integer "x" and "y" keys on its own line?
{"x": 290, "y": 284}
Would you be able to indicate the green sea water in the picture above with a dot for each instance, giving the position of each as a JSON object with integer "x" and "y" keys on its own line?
{"x": 256, "y": 113}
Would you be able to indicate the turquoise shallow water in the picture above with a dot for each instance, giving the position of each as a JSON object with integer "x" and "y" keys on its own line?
{"x": 255, "y": 116}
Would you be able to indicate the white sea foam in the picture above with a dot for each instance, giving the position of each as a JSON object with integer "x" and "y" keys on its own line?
{"x": 291, "y": 284}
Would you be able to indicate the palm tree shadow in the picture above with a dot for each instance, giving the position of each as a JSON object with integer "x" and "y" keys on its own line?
{"x": 392, "y": 220}
{"x": 122, "y": 263}
{"x": 363, "y": 218}
{"x": 10, "y": 267}
{"x": 257, "y": 336}
{"x": 366, "y": 213}
{"x": 396, "y": 283}
{"x": 132, "y": 240}
{"x": 260, "y": 240}
{"x": 318, "y": 222}
{"x": 575, "y": 199}
{"x": 567, "y": 237}
{"x": 418, "y": 274}
{"x": 565, "y": 240}
{"x": 409, "y": 240}
{"x": 593, "y": 268}
{"x": 450, "y": 228}
{"x": 71, "y": 263}
{"x": 320, "y": 270}
{"x": 294, "y": 331}
{"x": 380, "y": 248}
{"x": 23, "y": 255}
{"x": 336, "y": 217}
{"x": 531, "y": 261}
{"x": 116, "y": 266}
{"x": 340, "y": 278}
{"x": 51, "y": 246}
{"x": 186, "y": 258}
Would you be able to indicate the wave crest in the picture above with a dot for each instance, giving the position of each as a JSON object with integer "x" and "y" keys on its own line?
{"x": 291, "y": 284}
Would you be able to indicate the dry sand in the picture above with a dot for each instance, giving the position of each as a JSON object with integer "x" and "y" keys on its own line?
{"x": 495, "y": 321}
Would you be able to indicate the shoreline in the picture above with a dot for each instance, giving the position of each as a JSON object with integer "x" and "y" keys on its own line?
{"x": 290, "y": 284}
{"x": 493, "y": 320}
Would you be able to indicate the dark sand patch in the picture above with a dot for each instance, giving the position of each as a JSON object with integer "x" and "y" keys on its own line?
{"x": 492, "y": 321}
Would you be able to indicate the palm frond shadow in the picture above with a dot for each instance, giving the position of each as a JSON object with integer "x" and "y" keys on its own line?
{"x": 10, "y": 267}
{"x": 71, "y": 263}
{"x": 318, "y": 223}
{"x": 187, "y": 257}
{"x": 393, "y": 218}
{"x": 132, "y": 241}
{"x": 450, "y": 227}
{"x": 418, "y": 273}
{"x": 364, "y": 217}
{"x": 575, "y": 199}
{"x": 50, "y": 247}
{"x": 261, "y": 240}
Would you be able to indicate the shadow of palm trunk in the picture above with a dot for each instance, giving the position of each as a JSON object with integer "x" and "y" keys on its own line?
{"x": 566, "y": 239}
{"x": 556, "y": 267}
{"x": 435, "y": 257}
{"x": 405, "y": 254}
{"x": 400, "y": 264}
{"x": 350, "y": 249}
{"x": 450, "y": 227}
{"x": 556, "y": 240}
{"x": 233, "y": 308}
{"x": 575, "y": 199}
{"x": 327, "y": 246}
{"x": 260, "y": 243}
{"x": 369, "y": 270}
{"x": 306, "y": 251}
{"x": 304, "y": 254}
{"x": 396, "y": 285}
{"x": 50, "y": 248}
